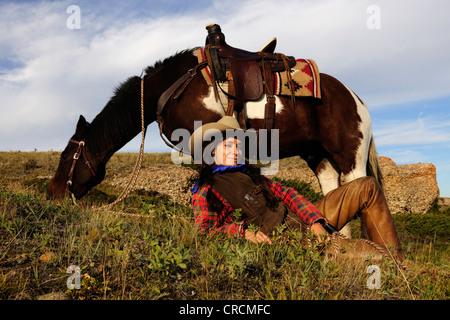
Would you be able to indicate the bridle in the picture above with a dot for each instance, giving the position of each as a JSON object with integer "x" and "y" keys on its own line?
{"x": 76, "y": 156}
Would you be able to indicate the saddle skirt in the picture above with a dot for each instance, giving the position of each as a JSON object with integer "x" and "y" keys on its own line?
{"x": 305, "y": 78}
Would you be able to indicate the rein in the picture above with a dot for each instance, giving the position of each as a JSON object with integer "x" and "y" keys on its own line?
{"x": 173, "y": 92}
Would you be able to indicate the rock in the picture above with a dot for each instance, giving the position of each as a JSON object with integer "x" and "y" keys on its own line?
{"x": 444, "y": 202}
{"x": 410, "y": 187}
{"x": 46, "y": 257}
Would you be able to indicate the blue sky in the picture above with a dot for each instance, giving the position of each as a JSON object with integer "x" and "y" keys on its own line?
{"x": 397, "y": 63}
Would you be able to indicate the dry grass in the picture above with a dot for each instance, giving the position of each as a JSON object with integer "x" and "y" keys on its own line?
{"x": 165, "y": 257}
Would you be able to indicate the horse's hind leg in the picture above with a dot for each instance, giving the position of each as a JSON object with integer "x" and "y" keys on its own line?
{"x": 358, "y": 169}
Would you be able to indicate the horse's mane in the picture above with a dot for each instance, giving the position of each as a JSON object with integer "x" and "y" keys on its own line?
{"x": 118, "y": 117}
{"x": 162, "y": 63}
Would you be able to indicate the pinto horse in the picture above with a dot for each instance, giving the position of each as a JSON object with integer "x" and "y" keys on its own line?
{"x": 333, "y": 134}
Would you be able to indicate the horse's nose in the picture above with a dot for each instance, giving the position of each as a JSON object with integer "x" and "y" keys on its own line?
{"x": 50, "y": 194}
{"x": 53, "y": 194}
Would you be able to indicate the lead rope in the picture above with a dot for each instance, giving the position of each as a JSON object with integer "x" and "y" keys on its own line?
{"x": 398, "y": 265}
{"x": 135, "y": 173}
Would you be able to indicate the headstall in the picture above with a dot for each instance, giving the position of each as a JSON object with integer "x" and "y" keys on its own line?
{"x": 76, "y": 156}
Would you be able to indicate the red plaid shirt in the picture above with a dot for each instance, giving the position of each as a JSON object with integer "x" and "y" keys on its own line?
{"x": 212, "y": 222}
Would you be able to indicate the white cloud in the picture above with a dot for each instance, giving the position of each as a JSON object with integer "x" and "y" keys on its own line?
{"x": 60, "y": 73}
{"x": 403, "y": 61}
{"x": 67, "y": 72}
{"x": 407, "y": 156}
{"x": 422, "y": 131}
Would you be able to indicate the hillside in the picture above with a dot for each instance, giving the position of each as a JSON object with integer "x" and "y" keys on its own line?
{"x": 163, "y": 256}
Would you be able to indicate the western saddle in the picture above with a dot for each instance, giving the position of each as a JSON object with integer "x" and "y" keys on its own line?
{"x": 249, "y": 74}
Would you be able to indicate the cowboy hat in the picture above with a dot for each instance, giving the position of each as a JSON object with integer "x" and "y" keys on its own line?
{"x": 207, "y": 131}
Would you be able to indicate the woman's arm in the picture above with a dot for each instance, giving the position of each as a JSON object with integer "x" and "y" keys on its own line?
{"x": 304, "y": 209}
{"x": 210, "y": 221}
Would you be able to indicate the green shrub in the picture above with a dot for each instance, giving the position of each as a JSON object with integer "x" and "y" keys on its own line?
{"x": 302, "y": 187}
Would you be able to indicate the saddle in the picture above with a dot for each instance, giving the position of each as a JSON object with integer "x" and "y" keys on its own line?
{"x": 249, "y": 74}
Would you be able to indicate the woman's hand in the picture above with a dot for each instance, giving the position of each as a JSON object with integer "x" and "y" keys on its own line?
{"x": 320, "y": 232}
{"x": 257, "y": 237}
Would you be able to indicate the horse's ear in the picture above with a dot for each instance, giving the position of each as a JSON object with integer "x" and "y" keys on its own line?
{"x": 81, "y": 125}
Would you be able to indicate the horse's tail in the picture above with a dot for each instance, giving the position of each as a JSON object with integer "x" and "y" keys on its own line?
{"x": 373, "y": 165}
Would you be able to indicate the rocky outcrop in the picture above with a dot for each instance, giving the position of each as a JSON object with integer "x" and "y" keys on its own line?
{"x": 445, "y": 202}
{"x": 409, "y": 187}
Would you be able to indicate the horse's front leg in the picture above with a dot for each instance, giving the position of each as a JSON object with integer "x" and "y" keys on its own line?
{"x": 329, "y": 177}
{"x": 328, "y": 174}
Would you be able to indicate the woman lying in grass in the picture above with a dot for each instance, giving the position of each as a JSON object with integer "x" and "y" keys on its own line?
{"x": 229, "y": 184}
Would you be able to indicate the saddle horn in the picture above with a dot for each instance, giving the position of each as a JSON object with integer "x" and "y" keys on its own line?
{"x": 215, "y": 36}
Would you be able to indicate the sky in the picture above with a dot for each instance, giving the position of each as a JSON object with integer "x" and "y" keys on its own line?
{"x": 60, "y": 59}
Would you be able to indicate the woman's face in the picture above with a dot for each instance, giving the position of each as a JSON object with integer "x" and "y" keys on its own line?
{"x": 228, "y": 152}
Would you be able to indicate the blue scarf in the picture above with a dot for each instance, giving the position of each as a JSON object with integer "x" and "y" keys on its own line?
{"x": 222, "y": 169}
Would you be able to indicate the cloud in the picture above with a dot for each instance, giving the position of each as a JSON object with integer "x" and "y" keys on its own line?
{"x": 428, "y": 130}
{"x": 407, "y": 156}
{"x": 425, "y": 140}
{"x": 52, "y": 74}
{"x": 65, "y": 72}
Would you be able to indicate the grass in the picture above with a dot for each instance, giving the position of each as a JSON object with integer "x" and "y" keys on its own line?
{"x": 163, "y": 256}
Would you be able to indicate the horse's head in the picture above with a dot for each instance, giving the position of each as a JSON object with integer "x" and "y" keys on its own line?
{"x": 78, "y": 170}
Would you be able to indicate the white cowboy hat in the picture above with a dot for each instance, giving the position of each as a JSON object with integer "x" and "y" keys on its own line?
{"x": 207, "y": 131}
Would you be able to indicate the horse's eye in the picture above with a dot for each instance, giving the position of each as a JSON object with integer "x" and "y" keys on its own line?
{"x": 64, "y": 156}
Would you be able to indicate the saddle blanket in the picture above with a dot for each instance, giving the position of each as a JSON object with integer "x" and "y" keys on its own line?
{"x": 305, "y": 78}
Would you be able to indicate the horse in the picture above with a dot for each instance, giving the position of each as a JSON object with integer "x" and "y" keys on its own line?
{"x": 332, "y": 134}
